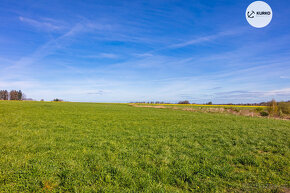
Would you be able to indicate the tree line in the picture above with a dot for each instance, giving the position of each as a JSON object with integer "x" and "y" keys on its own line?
{"x": 211, "y": 103}
{"x": 12, "y": 95}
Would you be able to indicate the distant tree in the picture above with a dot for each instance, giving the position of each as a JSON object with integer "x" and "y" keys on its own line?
{"x": 16, "y": 95}
{"x": 13, "y": 95}
{"x": 20, "y": 95}
{"x": 4, "y": 95}
{"x": 209, "y": 103}
{"x": 1, "y": 94}
{"x": 184, "y": 102}
{"x": 57, "y": 100}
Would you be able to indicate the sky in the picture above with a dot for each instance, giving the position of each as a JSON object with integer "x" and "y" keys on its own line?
{"x": 150, "y": 50}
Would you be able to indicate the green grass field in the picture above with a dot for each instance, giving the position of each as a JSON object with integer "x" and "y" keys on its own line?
{"x": 87, "y": 147}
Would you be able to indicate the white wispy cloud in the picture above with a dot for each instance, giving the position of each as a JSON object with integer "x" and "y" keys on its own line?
{"x": 285, "y": 77}
{"x": 59, "y": 43}
{"x": 144, "y": 55}
{"x": 285, "y": 91}
{"x": 253, "y": 95}
{"x": 42, "y": 51}
{"x": 19, "y": 84}
{"x": 103, "y": 55}
{"x": 108, "y": 55}
{"x": 207, "y": 38}
{"x": 45, "y": 24}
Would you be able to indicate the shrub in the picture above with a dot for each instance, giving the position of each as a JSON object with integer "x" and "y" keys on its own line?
{"x": 284, "y": 107}
{"x": 273, "y": 107}
{"x": 264, "y": 113}
{"x": 259, "y": 109}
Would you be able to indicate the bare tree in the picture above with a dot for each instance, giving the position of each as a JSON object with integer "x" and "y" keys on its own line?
{"x": 3, "y": 95}
{"x": 15, "y": 95}
{"x": 12, "y": 95}
{"x": 273, "y": 107}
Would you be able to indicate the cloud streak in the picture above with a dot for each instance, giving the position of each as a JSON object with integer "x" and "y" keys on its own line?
{"x": 45, "y": 25}
{"x": 204, "y": 39}
{"x": 58, "y": 43}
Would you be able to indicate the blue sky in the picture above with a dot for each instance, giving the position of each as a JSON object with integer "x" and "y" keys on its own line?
{"x": 153, "y": 50}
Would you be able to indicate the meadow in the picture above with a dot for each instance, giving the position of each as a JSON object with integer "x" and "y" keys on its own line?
{"x": 91, "y": 147}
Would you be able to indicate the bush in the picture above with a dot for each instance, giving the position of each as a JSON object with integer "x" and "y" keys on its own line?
{"x": 259, "y": 109}
{"x": 284, "y": 107}
{"x": 273, "y": 107}
{"x": 264, "y": 113}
